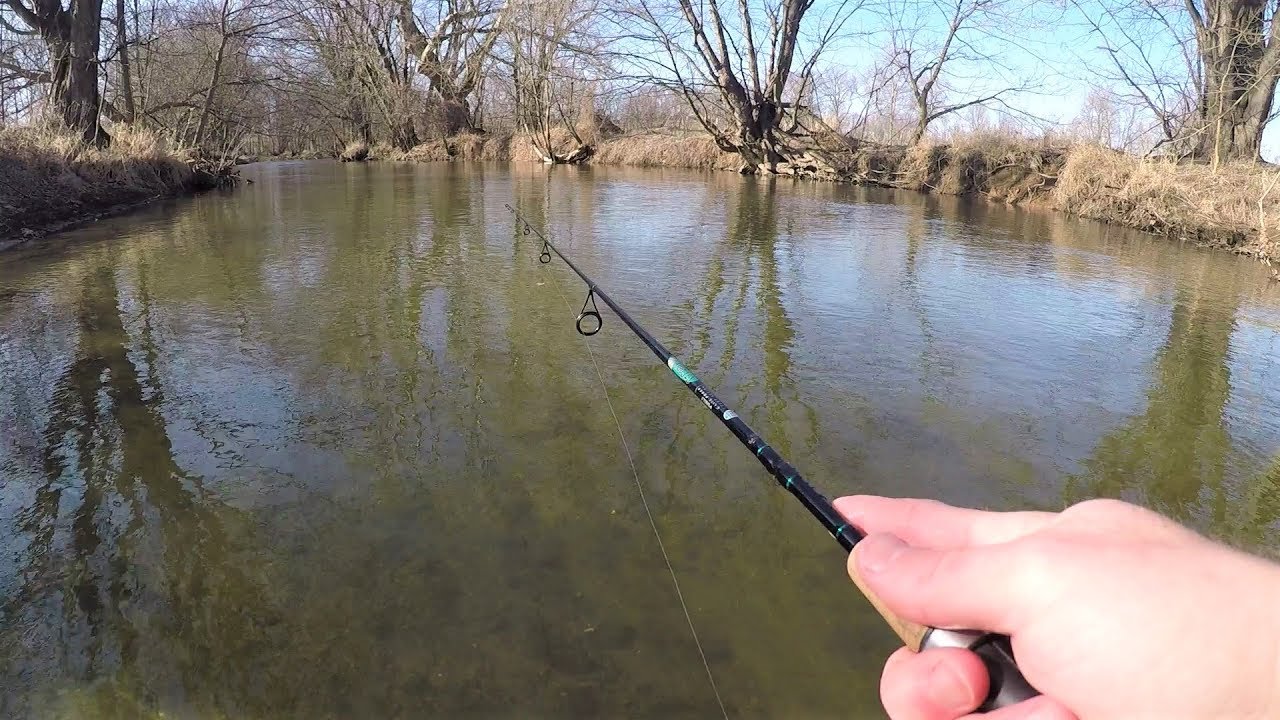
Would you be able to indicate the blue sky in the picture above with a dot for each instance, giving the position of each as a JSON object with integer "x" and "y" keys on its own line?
{"x": 1050, "y": 42}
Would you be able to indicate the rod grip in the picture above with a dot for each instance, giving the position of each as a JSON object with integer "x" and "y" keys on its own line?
{"x": 911, "y": 633}
{"x": 1007, "y": 684}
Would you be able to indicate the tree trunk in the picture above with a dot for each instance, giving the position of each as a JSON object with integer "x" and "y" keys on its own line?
{"x": 404, "y": 136}
{"x": 922, "y": 119}
{"x": 126, "y": 74}
{"x": 454, "y": 78}
{"x": 360, "y": 120}
{"x": 455, "y": 114}
{"x": 72, "y": 40}
{"x": 1240, "y": 72}
{"x": 1232, "y": 116}
{"x": 215, "y": 79}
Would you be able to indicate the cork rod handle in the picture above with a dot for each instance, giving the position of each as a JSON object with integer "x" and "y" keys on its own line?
{"x": 1007, "y": 684}
{"x": 911, "y": 633}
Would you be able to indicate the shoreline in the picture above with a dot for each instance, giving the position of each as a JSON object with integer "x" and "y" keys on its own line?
{"x": 27, "y": 235}
{"x": 1235, "y": 207}
{"x": 17, "y": 238}
{"x": 50, "y": 183}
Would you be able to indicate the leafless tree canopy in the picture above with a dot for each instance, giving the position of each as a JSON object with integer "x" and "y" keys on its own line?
{"x": 1205, "y": 71}
{"x": 770, "y": 80}
{"x": 929, "y": 41}
{"x": 453, "y": 56}
{"x": 744, "y": 70}
{"x": 72, "y": 36}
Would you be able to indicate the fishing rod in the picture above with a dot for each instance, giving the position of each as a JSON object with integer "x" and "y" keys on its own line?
{"x": 1007, "y": 687}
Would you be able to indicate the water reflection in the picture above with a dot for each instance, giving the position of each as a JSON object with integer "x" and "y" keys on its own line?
{"x": 1175, "y": 455}
{"x": 331, "y": 445}
{"x": 123, "y": 547}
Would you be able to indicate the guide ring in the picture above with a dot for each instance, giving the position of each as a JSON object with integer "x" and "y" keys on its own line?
{"x": 594, "y": 312}
{"x": 545, "y": 257}
{"x": 527, "y": 229}
{"x": 590, "y": 314}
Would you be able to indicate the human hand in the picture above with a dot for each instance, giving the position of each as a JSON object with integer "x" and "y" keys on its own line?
{"x": 1114, "y": 611}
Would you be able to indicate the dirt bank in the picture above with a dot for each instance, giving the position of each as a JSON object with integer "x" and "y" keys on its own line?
{"x": 49, "y": 182}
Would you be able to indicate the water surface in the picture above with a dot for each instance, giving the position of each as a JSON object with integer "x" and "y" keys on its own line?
{"x": 329, "y": 445}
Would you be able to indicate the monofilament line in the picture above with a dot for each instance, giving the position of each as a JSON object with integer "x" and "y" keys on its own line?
{"x": 635, "y": 475}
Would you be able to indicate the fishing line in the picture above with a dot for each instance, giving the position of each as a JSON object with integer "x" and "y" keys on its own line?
{"x": 635, "y": 475}
{"x": 1007, "y": 684}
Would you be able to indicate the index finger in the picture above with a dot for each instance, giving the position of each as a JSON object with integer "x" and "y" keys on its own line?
{"x": 932, "y": 524}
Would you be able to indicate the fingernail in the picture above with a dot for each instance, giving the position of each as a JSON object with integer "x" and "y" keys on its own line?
{"x": 949, "y": 690}
{"x": 877, "y": 552}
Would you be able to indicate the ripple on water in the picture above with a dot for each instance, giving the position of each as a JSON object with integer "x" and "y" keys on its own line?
{"x": 330, "y": 444}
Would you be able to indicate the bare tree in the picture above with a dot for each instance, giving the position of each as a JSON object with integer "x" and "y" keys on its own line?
{"x": 650, "y": 107}
{"x": 361, "y": 44}
{"x": 551, "y": 57}
{"x": 743, "y": 71}
{"x": 932, "y": 41}
{"x": 838, "y": 98}
{"x": 1107, "y": 119}
{"x": 122, "y": 57}
{"x": 384, "y": 68}
{"x": 72, "y": 37}
{"x": 1214, "y": 98}
{"x": 454, "y": 56}
{"x": 328, "y": 75}
{"x": 199, "y": 72}
{"x": 1137, "y": 37}
{"x": 1239, "y": 45}
{"x": 228, "y": 17}
{"x": 22, "y": 77}
{"x": 871, "y": 104}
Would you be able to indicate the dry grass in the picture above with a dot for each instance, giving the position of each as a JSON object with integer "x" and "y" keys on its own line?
{"x": 921, "y": 167}
{"x": 876, "y": 164}
{"x": 1227, "y": 208}
{"x": 481, "y": 147}
{"x": 665, "y": 150}
{"x": 47, "y": 177}
{"x": 644, "y": 150}
{"x": 430, "y": 151}
{"x": 466, "y": 146}
{"x": 1004, "y": 168}
{"x": 381, "y": 151}
{"x": 520, "y": 147}
{"x": 474, "y": 146}
{"x": 355, "y": 151}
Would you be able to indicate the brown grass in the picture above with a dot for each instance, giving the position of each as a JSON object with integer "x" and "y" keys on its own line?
{"x": 355, "y": 151}
{"x": 466, "y": 146}
{"x": 47, "y": 177}
{"x": 876, "y": 164}
{"x": 1002, "y": 168}
{"x": 520, "y": 147}
{"x": 642, "y": 149}
{"x": 473, "y": 146}
{"x": 381, "y": 151}
{"x": 430, "y": 151}
{"x": 1227, "y": 208}
{"x": 665, "y": 150}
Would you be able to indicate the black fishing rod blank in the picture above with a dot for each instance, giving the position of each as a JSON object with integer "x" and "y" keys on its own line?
{"x": 1008, "y": 686}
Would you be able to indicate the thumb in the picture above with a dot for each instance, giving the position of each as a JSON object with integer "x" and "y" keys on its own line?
{"x": 965, "y": 588}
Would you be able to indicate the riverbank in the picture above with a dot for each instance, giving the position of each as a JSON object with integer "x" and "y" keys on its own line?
{"x": 1235, "y": 207}
{"x": 50, "y": 182}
